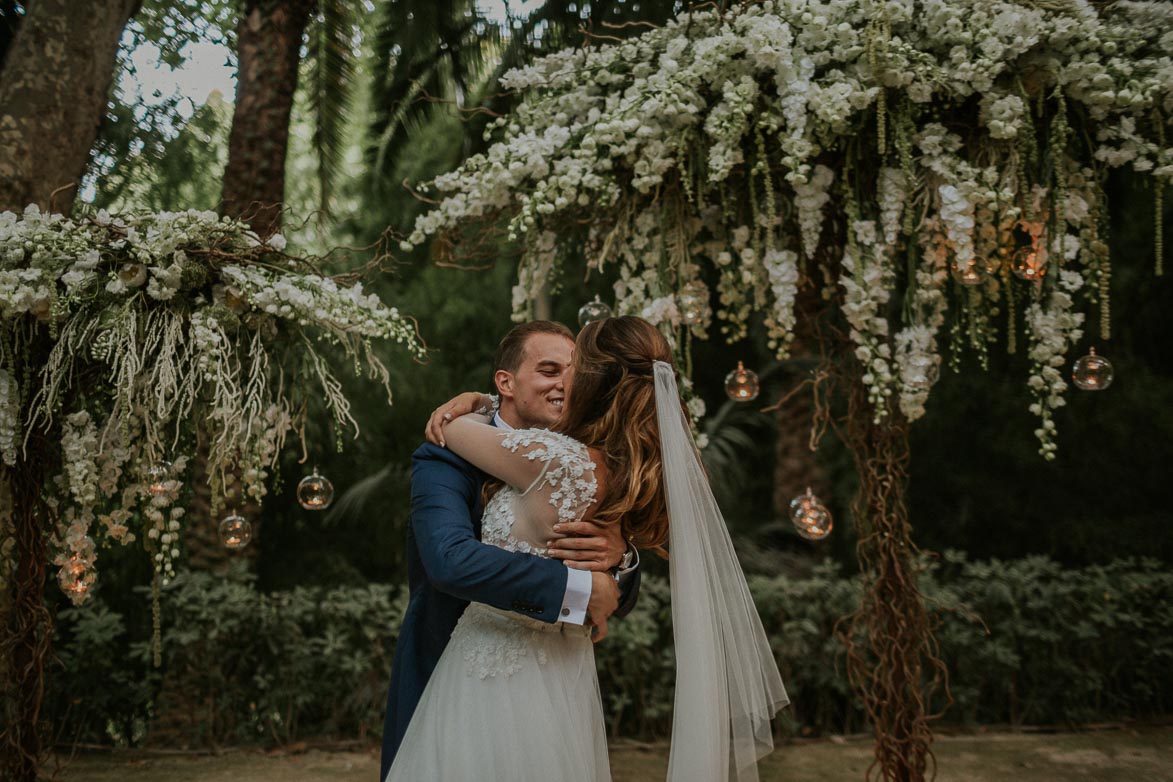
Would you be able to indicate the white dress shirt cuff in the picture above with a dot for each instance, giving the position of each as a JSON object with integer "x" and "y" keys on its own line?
{"x": 578, "y": 595}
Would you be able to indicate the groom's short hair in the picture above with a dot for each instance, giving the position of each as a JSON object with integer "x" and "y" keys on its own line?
{"x": 512, "y": 348}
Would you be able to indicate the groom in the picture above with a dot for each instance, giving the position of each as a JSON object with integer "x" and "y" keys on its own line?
{"x": 448, "y": 566}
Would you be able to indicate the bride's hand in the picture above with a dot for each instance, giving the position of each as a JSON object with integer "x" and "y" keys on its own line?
{"x": 586, "y": 545}
{"x": 468, "y": 402}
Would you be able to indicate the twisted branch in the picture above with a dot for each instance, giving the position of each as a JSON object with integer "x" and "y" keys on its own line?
{"x": 892, "y": 655}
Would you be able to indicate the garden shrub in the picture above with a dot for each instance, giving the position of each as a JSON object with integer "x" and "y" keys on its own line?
{"x": 1026, "y": 641}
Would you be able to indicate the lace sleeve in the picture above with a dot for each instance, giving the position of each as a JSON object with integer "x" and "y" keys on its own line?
{"x": 566, "y": 476}
{"x": 534, "y": 461}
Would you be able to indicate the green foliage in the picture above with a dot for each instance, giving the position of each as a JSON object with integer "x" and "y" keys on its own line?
{"x": 446, "y": 57}
{"x": 1057, "y": 645}
{"x": 332, "y": 37}
{"x": 241, "y": 666}
{"x": 101, "y": 692}
{"x": 139, "y": 163}
{"x": 281, "y": 665}
{"x": 637, "y": 666}
{"x": 173, "y": 25}
{"x": 1027, "y": 641}
{"x": 163, "y": 151}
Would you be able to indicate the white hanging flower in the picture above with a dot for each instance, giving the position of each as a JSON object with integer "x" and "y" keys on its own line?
{"x": 782, "y": 271}
{"x": 809, "y": 199}
{"x": 1053, "y": 329}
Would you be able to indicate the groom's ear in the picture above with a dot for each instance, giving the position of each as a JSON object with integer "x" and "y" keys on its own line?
{"x": 504, "y": 382}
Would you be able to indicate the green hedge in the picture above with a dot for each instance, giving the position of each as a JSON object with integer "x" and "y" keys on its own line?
{"x": 1026, "y": 641}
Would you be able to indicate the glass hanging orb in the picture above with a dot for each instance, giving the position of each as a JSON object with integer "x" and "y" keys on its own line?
{"x": 1092, "y": 372}
{"x": 811, "y": 518}
{"x": 993, "y": 263}
{"x": 235, "y": 531}
{"x": 1026, "y": 264}
{"x": 74, "y": 578}
{"x": 972, "y": 273}
{"x": 921, "y": 372}
{"x": 693, "y": 301}
{"x": 592, "y": 311}
{"x": 315, "y": 492}
{"x": 742, "y": 384}
{"x": 132, "y": 275}
{"x": 42, "y": 310}
{"x": 157, "y": 475}
{"x": 234, "y": 299}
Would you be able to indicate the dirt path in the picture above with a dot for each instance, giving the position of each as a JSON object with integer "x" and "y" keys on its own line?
{"x": 1144, "y": 755}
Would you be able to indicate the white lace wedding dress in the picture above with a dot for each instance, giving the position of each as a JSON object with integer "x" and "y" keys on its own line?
{"x": 513, "y": 698}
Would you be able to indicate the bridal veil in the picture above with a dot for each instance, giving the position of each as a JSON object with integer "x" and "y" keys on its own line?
{"x": 727, "y": 683}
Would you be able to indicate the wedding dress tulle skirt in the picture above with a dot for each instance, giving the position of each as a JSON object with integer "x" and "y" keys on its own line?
{"x": 511, "y": 699}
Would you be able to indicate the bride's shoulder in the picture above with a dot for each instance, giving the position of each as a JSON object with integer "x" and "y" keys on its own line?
{"x": 543, "y": 443}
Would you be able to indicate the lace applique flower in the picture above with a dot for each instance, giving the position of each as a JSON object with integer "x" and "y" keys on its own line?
{"x": 568, "y": 472}
{"x": 496, "y": 645}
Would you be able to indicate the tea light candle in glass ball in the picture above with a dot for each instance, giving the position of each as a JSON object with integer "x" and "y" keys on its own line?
{"x": 811, "y": 518}
{"x": 132, "y": 275}
{"x": 157, "y": 475}
{"x": 74, "y": 578}
{"x": 592, "y": 311}
{"x": 742, "y": 384}
{"x": 972, "y": 273}
{"x": 1027, "y": 265}
{"x": 315, "y": 492}
{"x": 1092, "y": 372}
{"x": 235, "y": 531}
{"x": 693, "y": 302}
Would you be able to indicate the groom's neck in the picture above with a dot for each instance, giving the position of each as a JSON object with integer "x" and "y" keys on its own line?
{"x": 509, "y": 415}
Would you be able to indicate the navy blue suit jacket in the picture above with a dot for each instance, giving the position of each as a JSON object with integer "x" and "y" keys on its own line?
{"x": 447, "y": 568}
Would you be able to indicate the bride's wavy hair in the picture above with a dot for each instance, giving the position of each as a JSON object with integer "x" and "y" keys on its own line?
{"x": 612, "y": 408}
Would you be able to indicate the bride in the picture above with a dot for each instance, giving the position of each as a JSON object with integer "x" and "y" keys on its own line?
{"x": 517, "y": 699}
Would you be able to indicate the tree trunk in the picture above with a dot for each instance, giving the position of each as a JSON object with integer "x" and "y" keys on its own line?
{"x": 891, "y": 653}
{"x": 29, "y": 628}
{"x": 268, "y": 39}
{"x": 54, "y": 88}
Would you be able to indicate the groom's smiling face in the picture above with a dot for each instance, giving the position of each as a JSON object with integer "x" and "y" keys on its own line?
{"x": 534, "y": 395}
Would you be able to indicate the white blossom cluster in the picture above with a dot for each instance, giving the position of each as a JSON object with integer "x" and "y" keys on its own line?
{"x": 159, "y": 323}
{"x": 1053, "y": 326}
{"x": 742, "y": 135}
{"x": 867, "y": 284}
{"x": 916, "y": 343}
{"x": 782, "y": 270}
{"x": 809, "y": 200}
{"x": 310, "y": 299}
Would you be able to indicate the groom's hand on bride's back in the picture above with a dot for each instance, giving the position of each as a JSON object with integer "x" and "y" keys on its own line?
{"x": 588, "y": 546}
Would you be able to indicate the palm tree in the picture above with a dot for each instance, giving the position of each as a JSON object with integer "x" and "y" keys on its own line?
{"x": 270, "y": 36}
{"x": 435, "y": 56}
